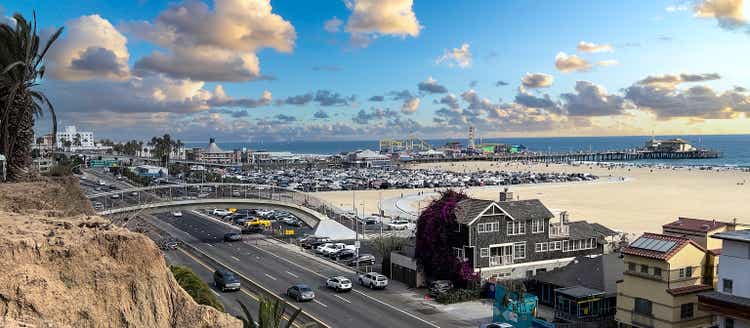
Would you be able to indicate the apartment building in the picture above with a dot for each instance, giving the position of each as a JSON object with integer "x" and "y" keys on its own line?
{"x": 730, "y": 302}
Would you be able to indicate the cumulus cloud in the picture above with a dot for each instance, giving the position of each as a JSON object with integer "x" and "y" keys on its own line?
{"x": 401, "y": 95}
{"x": 590, "y": 99}
{"x": 333, "y": 25}
{"x": 90, "y": 48}
{"x": 460, "y": 57}
{"x": 410, "y": 106}
{"x": 373, "y": 18}
{"x": 220, "y": 99}
{"x": 213, "y": 45}
{"x": 670, "y": 81}
{"x": 729, "y": 13}
{"x": 608, "y": 62}
{"x": 699, "y": 102}
{"x": 325, "y": 98}
{"x": 537, "y": 80}
{"x": 500, "y": 83}
{"x": 374, "y": 114}
{"x": 431, "y": 86}
{"x": 527, "y": 99}
{"x": 377, "y": 98}
{"x": 321, "y": 115}
{"x": 584, "y": 46}
{"x": 566, "y": 64}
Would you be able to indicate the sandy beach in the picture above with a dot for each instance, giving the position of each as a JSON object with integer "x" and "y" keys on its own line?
{"x": 647, "y": 198}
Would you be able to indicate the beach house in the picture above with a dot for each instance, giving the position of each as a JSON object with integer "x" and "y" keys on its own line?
{"x": 730, "y": 302}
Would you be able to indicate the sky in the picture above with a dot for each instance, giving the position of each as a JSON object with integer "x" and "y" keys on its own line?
{"x": 284, "y": 70}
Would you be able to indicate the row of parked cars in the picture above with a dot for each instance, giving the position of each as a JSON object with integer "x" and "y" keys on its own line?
{"x": 347, "y": 254}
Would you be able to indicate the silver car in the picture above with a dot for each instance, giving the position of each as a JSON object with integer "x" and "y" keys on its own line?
{"x": 301, "y": 292}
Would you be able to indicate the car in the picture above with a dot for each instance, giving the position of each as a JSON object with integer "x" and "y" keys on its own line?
{"x": 301, "y": 292}
{"x": 177, "y": 214}
{"x": 113, "y": 187}
{"x": 372, "y": 220}
{"x": 496, "y": 325}
{"x": 373, "y": 280}
{"x": 252, "y": 230}
{"x": 339, "y": 284}
{"x": 203, "y": 195}
{"x": 134, "y": 194}
{"x": 220, "y": 212}
{"x": 319, "y": 248}
{"x": 398, "y": 224}
{"x": 315, "y": 241}
{"x": 363, "y": 259}
{"x": 119, "y": 177}
{"x": 98, "y": 188}
{"x": 292, "y": 221}
{"x": 258, "y": 222}
{"x": 344, "y": 254}
{"x": 115, "y": 196}
{"x": 226, "y": 280}
{"x": 98, "y": 206}
{"x": 232, "y": 236}
{"x": 102, "y": 182}
{"x": 438, "y": 287}
{"x": 332, "y": 248}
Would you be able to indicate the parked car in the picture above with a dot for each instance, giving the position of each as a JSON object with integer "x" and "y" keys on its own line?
{"x": 252, "y": 230}
{"x": 115, "y": 196}
{"x": 438, "y": 287}
{"x": 98, "y": 206}
{"x": 319, "y": 248}
{"x": 226, "y": 280}
{"x": 344, "y": 254}
{"x": 301, "y": 292}
{"x": 220, "y": 212}
{"x": 177, "y": 214}
{"x": 315, "y": 242}
{"x": 339, "y": 284}
{"x": 398, "y": 224}
{"x": 102, "y": 182}
{"x": 258, "y": 222}
{"x": 292, "y": 221}
{"x": 232, "y": 236}
{"x": 332, "y": 248}
{"x": 363, "y": 259}
{"x": 372, "y": 220}
{"x": 373, "y": 280}
{"x": 133, "y": 194}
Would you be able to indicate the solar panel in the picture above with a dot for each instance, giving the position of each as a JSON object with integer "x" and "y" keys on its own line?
{"x": 652, "y": 244}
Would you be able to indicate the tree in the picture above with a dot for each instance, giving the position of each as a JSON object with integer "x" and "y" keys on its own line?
{"x": 383, "y": 246}
{"x": 21, "y": 70}
{"x": 163, "y": 147}
{"x": 77, "y": 140}
{"x": 270, "y": 314}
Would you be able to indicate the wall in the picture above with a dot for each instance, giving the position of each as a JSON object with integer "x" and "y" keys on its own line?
{"x": 733, "y": 264}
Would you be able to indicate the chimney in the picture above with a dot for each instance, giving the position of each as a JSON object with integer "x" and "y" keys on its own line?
{"x": 506, "y": 196}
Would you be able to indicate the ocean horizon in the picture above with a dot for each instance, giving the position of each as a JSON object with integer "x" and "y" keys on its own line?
{"x": 735, "y": 149}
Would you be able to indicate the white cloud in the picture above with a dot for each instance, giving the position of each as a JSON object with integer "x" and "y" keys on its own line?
{"x": 537, "y": 80}
{"x": 584, "y": 46}
{"x": 333, "y": 25}
{"x": 218, "y": 45}
{"x": 729, "y": 13}
{"x": 460, "y": 57}
{"x": 410, "y": 106}
{"x": 372, "y": 18}
{"x": 89, "y": 48}
{"x": 608, "y": 62}
{"x": 572, "y": 63}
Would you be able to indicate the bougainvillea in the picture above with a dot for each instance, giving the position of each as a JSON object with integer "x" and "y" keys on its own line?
{"x": 433, "y": 248}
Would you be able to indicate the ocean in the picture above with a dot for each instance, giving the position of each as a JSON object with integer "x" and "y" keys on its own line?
{"x": 735, "y": 149}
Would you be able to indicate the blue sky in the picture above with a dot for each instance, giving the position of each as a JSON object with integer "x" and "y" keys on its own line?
{"x": 694, "y": 54}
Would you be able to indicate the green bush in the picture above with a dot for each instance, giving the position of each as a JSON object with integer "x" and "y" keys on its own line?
{"x": 197, "y": 289}
{"x": 60, "y": 171}
{"x": 458, "y": 295}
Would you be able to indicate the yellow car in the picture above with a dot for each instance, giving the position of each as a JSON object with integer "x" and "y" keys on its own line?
{"x": 258, "y": 222}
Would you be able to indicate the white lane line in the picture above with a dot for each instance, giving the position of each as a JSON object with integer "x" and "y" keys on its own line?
{"x": 215, "y": 293}
{"x": 341, "y": 298}
{"x": 236, "y": 259}
{"x": 212, "y": 245}
{"x": 270, "y": 276}
{"x": 321, "y": 304}
{"x": 353, "y": 290}
{"x": 292, "y": 274}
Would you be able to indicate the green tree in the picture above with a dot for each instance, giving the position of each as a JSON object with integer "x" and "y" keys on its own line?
{"x": 163, "y": 147}
{"x": 21, "y": 71}
{"x": 77, "y": 140}
{"x": 194, "y": 286}
{"x": 270, "y": 313}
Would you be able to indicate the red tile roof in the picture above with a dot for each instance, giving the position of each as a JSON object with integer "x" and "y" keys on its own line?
{"x": 698, "y": 225}
{"x": 680, "y": 243}
{"x": 689, "y": 289}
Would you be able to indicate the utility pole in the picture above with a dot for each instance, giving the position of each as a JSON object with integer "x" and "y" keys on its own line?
{"x": 380, "y": 210}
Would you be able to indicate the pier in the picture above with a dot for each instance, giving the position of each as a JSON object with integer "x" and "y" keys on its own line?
{"x": 602, "y": 156}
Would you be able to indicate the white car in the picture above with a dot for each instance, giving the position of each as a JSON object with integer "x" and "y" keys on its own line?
{"x": 220, "y": 212}
{"x": 332, "y": 248}
{"x": 319, "y": 249}
{"x": 373, "y": 280}
{"x": 177, "y": 214}
{"x": 102, "y": 183}
{"x": 398, "y": 225}
{"x": 339, "y": 284}
{"x": 115, "y": 196}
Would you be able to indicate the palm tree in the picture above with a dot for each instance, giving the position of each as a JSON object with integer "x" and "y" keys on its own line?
{"x": 21, "y": 70}
{"x": 164, "y": 146}
{"x": 77, "y": 140}
{"x": 270, "y": 314}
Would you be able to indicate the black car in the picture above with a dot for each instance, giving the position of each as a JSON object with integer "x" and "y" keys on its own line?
{"x": 364, "y": 259}
{"x": 232, "y": 236}
{"x": 343, "y": 254}
{"x": 252, "y": 230}
{"x": 226, "y": 280}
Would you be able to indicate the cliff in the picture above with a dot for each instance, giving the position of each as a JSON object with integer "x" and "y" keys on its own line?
{"x": 63, "y": 267}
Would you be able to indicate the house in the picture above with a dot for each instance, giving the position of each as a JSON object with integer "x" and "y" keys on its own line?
{"x": 368, "y": 158}
{"x": 730, "y": 302}
{"x": 516, "y": 239}
{"x": 698, "y": 230}
{"x": 662, "y": 279}
{"x": 585, "y": 290}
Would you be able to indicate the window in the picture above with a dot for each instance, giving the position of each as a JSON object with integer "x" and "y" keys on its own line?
{"x": 727, "y": 285}
{"x": 642, "y": 306}
{"x": 484, "y": 252}
{"x": 728, "y": 323}
{"x": 545, "y": 247}
{"x": 516, "y": 228}
{"x": 644, "y": 268}
{"x": 657, "y": 272}
{"x": 631, "y": 266}
{"x": 689, "y": 272}
{"x": 537, "y": 225}
{"x": 686, "y": 311}
{"x": 458, "y": 252}
{"x": 488, "y": 227}
{"x": 555, "y": 246}
{"x": 566, "y": 246}
{"x": 538, "y": 247}
{"x": 519, "y": 250}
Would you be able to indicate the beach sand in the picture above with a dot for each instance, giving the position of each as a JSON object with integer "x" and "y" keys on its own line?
{"x": 648, "y": 198}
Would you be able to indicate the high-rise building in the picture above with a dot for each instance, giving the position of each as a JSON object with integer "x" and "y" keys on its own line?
{"x": 78, "y": 139}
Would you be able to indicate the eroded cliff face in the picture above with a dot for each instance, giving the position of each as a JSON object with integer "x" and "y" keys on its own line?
{"x": 60, "y": 267}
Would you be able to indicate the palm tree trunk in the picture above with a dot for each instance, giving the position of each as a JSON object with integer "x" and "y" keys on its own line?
{"x": 21, "y": 131}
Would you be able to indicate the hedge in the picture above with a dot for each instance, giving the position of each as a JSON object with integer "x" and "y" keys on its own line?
{"x": 193, "y": 284}
{"x": 458, "y": 295}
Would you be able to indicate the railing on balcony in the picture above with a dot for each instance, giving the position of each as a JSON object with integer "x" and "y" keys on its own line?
{"x": 501, "y": 260}
{"x": 643, "y": 320}
{"x": 559, "y": 230}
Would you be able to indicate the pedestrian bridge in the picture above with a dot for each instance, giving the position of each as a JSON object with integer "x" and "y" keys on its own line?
{"x": 310, "y": 209}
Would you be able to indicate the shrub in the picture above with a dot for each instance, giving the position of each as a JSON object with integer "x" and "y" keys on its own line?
{"x": 193, "y": 285}
{"x": 458, "y": 295}
{"x": 60, "y": 171}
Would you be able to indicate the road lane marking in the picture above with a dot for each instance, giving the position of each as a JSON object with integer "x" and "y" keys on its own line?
{"x": 292, "y": 274}
{"x": 341, "y": 298}
{"x": 236, "y": 259}
{"x": 270, "y": 276}
{"x": 215, "y": 293}
{"x": 321, "y": 304}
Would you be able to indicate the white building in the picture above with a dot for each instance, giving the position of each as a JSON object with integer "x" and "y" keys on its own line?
{"x": 147, "y": 152}
{"x": 71, "y": 134}
{"x": 730, "y": 302}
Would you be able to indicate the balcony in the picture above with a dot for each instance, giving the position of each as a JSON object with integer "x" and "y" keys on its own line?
{"x": 559, "y": 230}
{"x": 501, "y": 260}
{"x": 643, "y": 320}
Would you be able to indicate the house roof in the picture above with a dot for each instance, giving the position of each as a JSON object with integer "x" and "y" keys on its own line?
{"x": 468, "y": 209}
{"x": 526, "y": 209}
{"x": 583, "y": 229}
{"x": 688, "y": 289}
{"x": 579, "y": 291}
{"x": 672, "y": 246}
{"x": 214, "y": 148}
{"x": 736, "y": 235}
{"x": 607, "y": 232}
{"x": 697, "y": 225}
{"x": 599, "y": 273}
